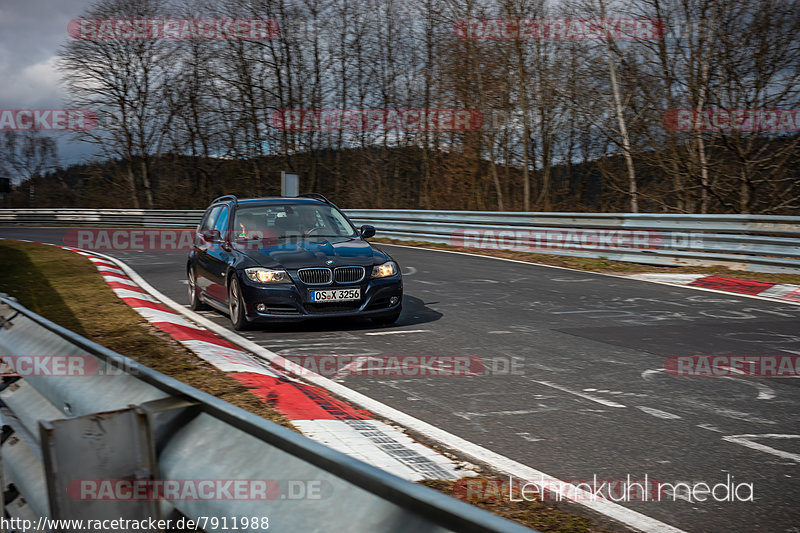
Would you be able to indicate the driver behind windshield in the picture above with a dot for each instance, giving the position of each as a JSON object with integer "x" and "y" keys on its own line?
{"x": 247, "y": 225}
{"x": 308, "y": 219}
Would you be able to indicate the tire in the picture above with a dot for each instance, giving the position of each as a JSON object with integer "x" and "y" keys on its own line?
{"x": 386, "y": 320}
{"x": 195, "y": 303}
{"x": 236, "y": 305}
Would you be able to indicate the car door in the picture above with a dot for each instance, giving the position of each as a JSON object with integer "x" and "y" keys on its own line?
{"x": 203, "y": 242}
{"x": 218, "y": 256}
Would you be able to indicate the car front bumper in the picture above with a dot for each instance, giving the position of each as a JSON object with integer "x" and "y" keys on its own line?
{"x": 290, "y": 302}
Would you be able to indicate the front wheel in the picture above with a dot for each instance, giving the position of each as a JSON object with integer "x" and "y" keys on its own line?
{"x": 195, "y": 303}
{"x": 236, "y": 305}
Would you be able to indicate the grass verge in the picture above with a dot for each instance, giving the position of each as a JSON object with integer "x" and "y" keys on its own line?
{"x": 66, "y": 288}
{"x": 605, "y": 266}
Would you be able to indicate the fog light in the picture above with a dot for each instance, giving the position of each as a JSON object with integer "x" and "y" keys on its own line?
{"x": 393, "y": 300}
{"x": 261, "y": 308}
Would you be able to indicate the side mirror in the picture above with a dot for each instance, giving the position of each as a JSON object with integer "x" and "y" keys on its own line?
{"x": 211, "y": 235}
{"x": 367, "y": 231}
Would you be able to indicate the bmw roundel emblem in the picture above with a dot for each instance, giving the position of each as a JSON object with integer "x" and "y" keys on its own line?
{"x": 329, "y": 261}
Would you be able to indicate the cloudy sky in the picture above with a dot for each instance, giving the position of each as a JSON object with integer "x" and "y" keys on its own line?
{"x": 31, "y": 32}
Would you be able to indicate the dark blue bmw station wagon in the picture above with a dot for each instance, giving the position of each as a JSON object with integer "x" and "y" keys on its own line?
{"x": 287, "y": 259}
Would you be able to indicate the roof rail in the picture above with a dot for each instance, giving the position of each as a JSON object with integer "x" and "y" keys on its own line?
{"x": 235, "y": 200}
{"x": 316, "y": 196}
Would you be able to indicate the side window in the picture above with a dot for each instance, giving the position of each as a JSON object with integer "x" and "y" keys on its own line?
{"x": 209, "y": 218}
{"x": 221, "y": 223}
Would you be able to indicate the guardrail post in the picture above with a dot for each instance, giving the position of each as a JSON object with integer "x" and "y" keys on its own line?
{"x": 91, "y": 460}
{"x": 165, "y": 416}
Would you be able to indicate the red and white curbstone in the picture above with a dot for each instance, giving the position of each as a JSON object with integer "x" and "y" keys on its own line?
{"x": 763, "y": 289}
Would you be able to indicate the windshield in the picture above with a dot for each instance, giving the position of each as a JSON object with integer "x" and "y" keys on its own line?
{"x": 286, "y": 221}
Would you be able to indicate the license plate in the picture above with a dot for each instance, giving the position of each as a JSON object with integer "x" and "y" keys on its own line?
{"x": 336, "y": 295}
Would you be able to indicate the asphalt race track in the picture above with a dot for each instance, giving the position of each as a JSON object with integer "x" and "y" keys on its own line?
{"x": 588, "y": 394}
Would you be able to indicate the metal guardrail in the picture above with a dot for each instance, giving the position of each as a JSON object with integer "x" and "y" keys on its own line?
{"x": 746, "y": 242}
{"x": 127, "y": 422}
{"x": 146, "y": 218}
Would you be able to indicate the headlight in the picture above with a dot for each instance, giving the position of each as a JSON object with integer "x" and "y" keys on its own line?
{"x": 389, "y": 268}
{"x": 267, "y": 275}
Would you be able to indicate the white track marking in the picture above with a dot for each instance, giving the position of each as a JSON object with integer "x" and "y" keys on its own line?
{"x": 647, "y": 375}
{"x": 709, "y": 427}
{"x": 470, "y": 416}
{"x": 397, "y": 332}
{"x": 448, "y": 440}
{"x": 731, "y": 370}
{"x": 746, "y": 440}
{"x": 729, "y": 413}
{"x": 527, "y": 437}
{"x": 601, "y": 401}
{"x": 764, "y": 392}
{"x": 658, "y": 413}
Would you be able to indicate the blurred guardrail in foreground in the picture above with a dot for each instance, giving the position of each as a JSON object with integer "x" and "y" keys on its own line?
{"x": 90, "y": 434}
{"x": 763, "y": 243}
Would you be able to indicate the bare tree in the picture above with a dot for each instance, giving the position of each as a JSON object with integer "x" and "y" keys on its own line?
{"x": 27, "y": 155}
{"x": 126, "y": 83}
